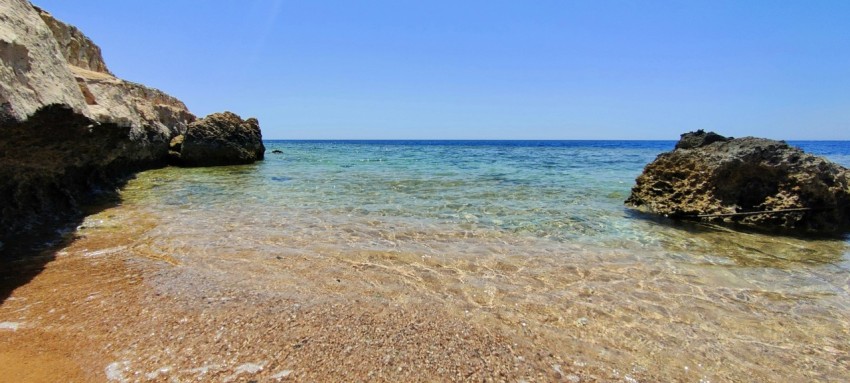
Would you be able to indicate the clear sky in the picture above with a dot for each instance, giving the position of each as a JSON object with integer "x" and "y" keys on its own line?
{"x": 533, "y": 69}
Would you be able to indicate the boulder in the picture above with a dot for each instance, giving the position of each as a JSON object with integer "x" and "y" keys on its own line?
{"x": 221, "y": 139}
{"x": 748, "y": 181}
{"x": 699, "y": 138}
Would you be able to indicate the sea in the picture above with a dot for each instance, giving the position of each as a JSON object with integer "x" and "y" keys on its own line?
{"x": 530, "y": 238}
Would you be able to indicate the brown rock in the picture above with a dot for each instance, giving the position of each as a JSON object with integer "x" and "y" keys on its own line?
{"x": 699, "y": 138}
{"x": 57, "y": 160}
{"x": 222, "y": 139}
{"x": 751, "y": 181}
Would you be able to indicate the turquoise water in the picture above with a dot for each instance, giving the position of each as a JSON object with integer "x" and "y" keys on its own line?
{"x": 531, "y": 238}
{"x": 569, "y": 192}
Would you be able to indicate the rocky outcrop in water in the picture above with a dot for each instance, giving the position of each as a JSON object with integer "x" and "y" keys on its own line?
{"x": 69, "y": 129}
{"x": 749, "y": 181}
{"x": 220, "y": 139}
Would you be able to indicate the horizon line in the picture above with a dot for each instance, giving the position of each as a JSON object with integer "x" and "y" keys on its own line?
{"x": 522, "y": 139}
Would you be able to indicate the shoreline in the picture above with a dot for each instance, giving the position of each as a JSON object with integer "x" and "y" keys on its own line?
{"x": 269, "y": 271}
{"x": 109, "y": 323}
{"x": 130, "y": 297}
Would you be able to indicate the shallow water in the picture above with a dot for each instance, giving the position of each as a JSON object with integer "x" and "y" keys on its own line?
{"x": 528, "y": 238}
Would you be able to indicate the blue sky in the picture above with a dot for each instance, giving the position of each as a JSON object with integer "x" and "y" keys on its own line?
{"x": 489, "y": 69}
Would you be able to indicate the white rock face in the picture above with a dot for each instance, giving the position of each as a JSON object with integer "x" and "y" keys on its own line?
{"x": 45, "y": 61}
{"x": 126, "y": 103}
{"x": 33, "y": 71}
{"x": 78, "y": 49}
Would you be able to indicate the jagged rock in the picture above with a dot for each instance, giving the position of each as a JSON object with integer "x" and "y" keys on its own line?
{"x": 56, "y": 160}
{"x": 174, "y": 148}
{"x": 112, "y": 100}
{"x": 33, "y": 72}
{"x": 78, "y": 49}
{"x": 699, "y": 138}
{"x": 222, "y": 139}
{"x": 717, "y": 178}
{"x": 67, "y": 133}
{"x": 44, "y": 61}
{"x": 69, "y": 129}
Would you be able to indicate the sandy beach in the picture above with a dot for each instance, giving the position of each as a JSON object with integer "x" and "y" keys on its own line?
{"x": 95, "y": 318}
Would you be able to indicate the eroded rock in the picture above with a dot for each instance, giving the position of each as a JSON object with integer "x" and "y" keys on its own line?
{"x": 78, "y": 49}
{"x": 750, "y": 181}
{"x": 33, "y": 71}
{"x": 57, "y": 160}
{"x": 222, "y": 139}
{"x": 70, "y": 130}
{"x": 113, "y": 100}
{"x": 67, "y": 133}
{"x": 110, "y": 99}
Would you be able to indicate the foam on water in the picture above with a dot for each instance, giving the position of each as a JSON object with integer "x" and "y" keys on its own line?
{"x": 529, "y": 237}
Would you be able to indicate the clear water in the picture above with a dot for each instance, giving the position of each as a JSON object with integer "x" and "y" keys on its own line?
{"x": 530, "y": 238}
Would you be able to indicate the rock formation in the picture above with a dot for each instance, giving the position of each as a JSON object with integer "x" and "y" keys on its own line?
{"x": 68, "y": 127}
{"x": 750, "y": 181}
{"x": 220, "y": 139}
{"x": 53, "y": 162}
{"x": 33, "y": 71}
{"x": 110, "y": 99}
{"x": 78, "y": 49}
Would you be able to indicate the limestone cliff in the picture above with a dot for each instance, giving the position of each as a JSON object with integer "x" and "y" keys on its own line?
{"x": 33, "y": 71}
{"x": 68, "y": 128}
{"x": 78, "y": 49}
{"x": 153, "y": 116}
{"x": 110, "y": 99}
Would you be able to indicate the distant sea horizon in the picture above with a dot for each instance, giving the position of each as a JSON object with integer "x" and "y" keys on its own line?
{"x": 835, "y": 150}
{"x": 498, "y": 140}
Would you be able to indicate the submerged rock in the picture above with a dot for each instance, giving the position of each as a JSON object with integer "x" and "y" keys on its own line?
{"x": 222, "y": 139}
{"x": 750, "y": 181}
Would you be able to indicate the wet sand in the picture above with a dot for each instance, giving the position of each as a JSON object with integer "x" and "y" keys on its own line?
{"x": 99, "y": 318}
{"x": 218, "y": 275}
{"x": 111, "y": 308}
